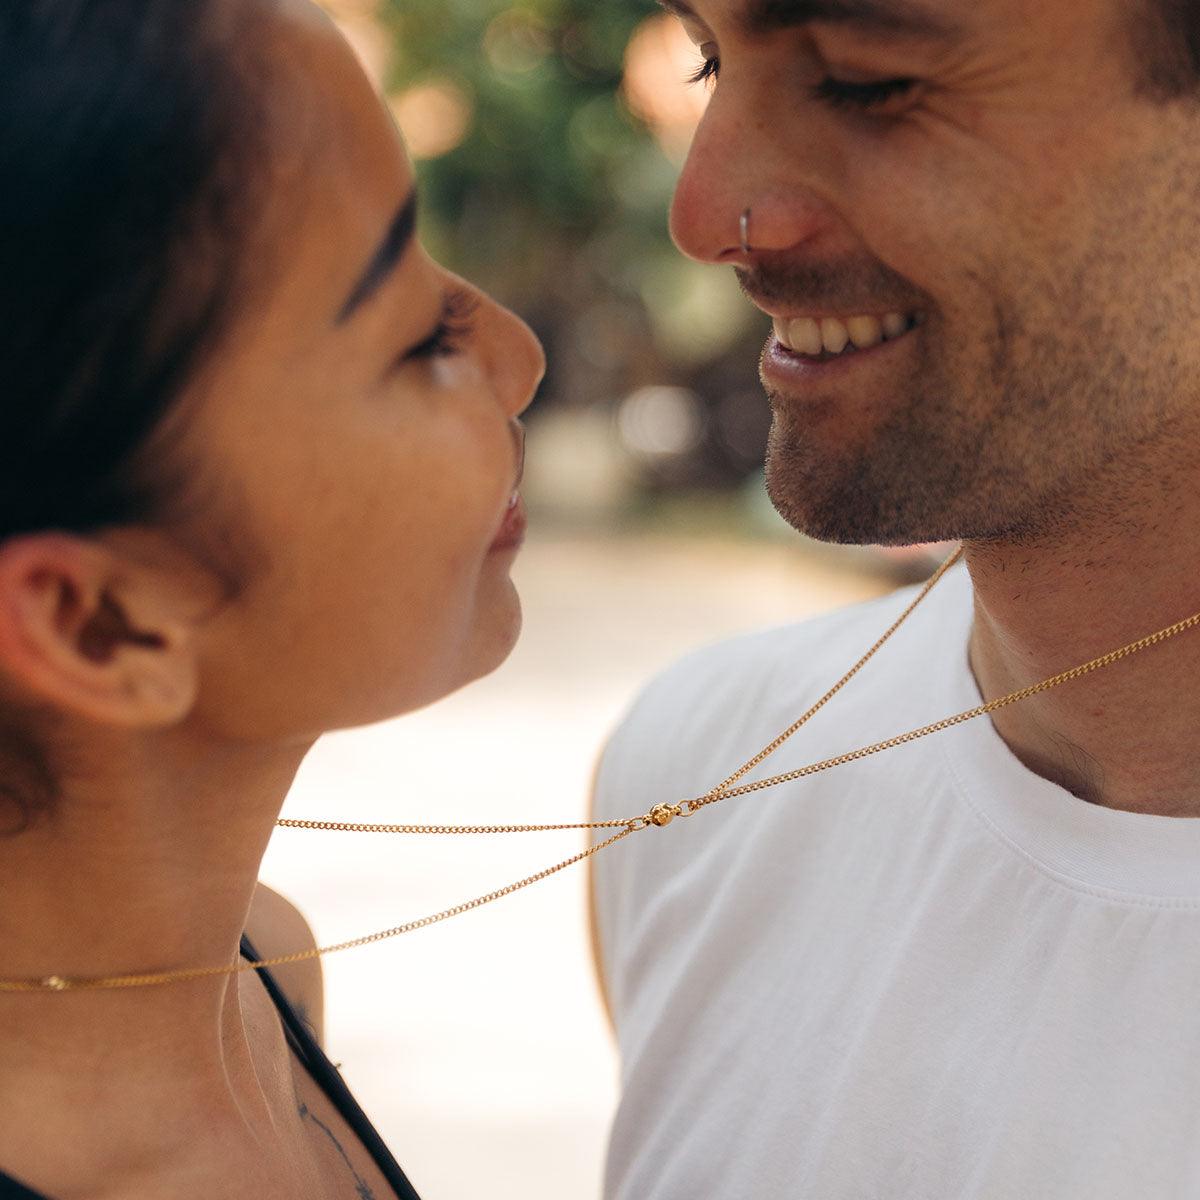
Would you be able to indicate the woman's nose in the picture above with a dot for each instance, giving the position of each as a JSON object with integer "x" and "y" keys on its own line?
{"x": 516, "y": 360}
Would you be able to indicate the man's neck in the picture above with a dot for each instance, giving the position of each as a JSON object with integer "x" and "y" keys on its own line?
{"x": 1123, "y": 737}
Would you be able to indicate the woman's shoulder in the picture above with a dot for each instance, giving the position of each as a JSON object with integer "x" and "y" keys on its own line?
{"x": 276, "y": 927}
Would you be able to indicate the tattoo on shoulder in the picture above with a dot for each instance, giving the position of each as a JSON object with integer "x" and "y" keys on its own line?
{"x": 362, "y": 1188}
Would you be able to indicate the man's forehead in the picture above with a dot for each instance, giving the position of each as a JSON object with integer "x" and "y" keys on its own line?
{"x": 912, "y": 17}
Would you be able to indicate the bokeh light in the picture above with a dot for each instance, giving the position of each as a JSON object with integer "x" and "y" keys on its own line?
{"x": 657, "y": 64}
{"x": 434, "y": 116}
{"x": 517, "y": 42}
{"x": 661, "y": 422}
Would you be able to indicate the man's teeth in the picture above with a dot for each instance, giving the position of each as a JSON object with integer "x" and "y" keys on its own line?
{"x": 810, "y": 337}
{"x": 835, "y": 335}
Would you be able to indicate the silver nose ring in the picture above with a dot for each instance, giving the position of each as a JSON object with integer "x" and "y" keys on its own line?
{"x": 745, "y": 231}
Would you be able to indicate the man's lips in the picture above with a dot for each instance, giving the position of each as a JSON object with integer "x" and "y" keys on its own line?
{"x": 789, "y": 372}
{"x": 788, "y": 291}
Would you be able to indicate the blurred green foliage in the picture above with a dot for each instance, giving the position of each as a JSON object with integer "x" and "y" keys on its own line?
{"x": 551, "y": 143}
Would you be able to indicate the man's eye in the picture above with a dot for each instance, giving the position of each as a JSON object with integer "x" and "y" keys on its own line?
{"x": 861, "y": 97}
{"x": 837, "y": 93}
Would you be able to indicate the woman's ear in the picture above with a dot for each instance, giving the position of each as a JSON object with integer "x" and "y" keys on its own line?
{"x": 95, "y": 632}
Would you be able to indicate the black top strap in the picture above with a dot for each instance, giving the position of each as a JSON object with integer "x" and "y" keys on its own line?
{"x": 10, "y": 1189}
{"x": 327, "y": 1078}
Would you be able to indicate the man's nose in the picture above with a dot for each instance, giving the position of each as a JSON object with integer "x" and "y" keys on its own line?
{"x": 742, "y": 179}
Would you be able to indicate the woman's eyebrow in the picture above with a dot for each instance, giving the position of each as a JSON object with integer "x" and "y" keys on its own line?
{"x": 902, "y": 17}
{"x": 385, "y": 260}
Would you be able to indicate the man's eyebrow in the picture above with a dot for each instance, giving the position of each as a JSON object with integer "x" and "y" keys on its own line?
{"x": 385, "y": 260}
{"x": 882, "y": 16}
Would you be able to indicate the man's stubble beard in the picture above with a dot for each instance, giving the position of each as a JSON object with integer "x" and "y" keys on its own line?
{"x": 1004, "y": 451}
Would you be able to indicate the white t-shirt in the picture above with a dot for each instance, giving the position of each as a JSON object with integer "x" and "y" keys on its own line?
{"x": 928, "y": 975}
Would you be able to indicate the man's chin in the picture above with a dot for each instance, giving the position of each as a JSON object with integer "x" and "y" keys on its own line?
{"x": 847, "y": 512}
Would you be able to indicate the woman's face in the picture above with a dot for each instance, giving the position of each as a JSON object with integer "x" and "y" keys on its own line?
{"x": 360, "y": 432}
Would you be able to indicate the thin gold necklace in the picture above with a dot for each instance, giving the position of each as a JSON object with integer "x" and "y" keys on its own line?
{"x": 660, "y": 816}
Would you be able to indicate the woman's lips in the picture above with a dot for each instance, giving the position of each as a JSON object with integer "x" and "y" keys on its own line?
{"x": 516, "y": 522}
{"x": 513, "y": 530}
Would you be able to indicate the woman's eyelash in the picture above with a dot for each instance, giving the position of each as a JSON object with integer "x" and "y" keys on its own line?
{"x": 837, "y": 93}
{"x": 454, "y": 329}
{"x": 710, "y": 68}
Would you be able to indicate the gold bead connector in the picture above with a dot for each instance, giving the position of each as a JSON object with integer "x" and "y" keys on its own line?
{"x": 55, "y": 983}
{"x": 663, "y": 814}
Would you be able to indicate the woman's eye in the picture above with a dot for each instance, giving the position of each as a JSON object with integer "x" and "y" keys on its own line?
{"x": 444, "y": 342}
{"x": 453, "y": 332}
{"x": 710, "y": 64}
{"x": 861, "y": 97}
{"x": 710, "y": 68}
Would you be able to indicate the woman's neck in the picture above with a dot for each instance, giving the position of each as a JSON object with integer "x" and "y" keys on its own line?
{"x": 148, "y": 863}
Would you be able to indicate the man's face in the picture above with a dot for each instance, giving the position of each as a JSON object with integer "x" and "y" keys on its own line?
{"x": 988, "y": 177}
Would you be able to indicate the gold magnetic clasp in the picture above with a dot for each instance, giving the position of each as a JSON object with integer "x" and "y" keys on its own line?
{"x": 661, "y": 815}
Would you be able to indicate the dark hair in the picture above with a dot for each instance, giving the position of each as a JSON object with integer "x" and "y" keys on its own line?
{"x": 1166, "y": 36}
{"x": 119, "y": 229}
{"x": 126, "y": 205}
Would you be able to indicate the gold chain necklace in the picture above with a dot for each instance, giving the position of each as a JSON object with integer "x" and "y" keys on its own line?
{"x": 659, "y": 816}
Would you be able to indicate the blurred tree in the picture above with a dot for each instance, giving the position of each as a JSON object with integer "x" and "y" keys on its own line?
{"x": 549, "y": 135}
